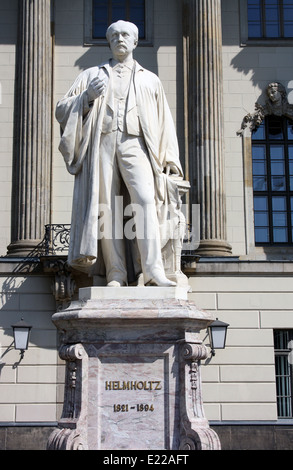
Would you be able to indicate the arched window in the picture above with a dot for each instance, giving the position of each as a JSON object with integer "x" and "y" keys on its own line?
{"x": 272, "y": 168}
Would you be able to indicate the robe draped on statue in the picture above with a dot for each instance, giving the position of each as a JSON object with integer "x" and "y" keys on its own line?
{"x": 81, "y": 128}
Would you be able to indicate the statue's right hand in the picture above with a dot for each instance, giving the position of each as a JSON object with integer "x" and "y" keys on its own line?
{"x": 95, "y": 89}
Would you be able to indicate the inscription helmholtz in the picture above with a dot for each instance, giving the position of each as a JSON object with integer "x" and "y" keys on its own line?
{"x": 133, "y": 385}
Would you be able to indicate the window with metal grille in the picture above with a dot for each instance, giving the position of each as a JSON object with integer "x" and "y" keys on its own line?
{"x": 270, "y": 19}
{"x": 272, "y": 168}
{"x": 283, "y": 343}
{"x": 106, "y": 12}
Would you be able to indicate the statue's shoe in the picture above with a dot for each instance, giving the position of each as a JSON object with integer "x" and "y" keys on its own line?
{"x": 161, "y": 281}
{"x": 115, "y": 284}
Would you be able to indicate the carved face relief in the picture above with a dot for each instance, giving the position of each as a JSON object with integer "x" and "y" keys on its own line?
{"x": 276, "y": 103}
{"x": 274, "y": 93}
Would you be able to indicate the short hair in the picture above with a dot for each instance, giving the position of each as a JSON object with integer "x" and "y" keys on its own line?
{"x": 132, "y": 26}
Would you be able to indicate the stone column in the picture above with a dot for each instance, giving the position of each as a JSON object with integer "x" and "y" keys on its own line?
{"x": 204, "y": 121}
{"x": 32, "y": 128}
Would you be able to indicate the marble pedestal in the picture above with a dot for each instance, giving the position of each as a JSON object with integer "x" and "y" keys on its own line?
{"x": 132, "y": 371}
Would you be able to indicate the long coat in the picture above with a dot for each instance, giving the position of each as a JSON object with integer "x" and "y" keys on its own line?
{"x": 80, "y": 147}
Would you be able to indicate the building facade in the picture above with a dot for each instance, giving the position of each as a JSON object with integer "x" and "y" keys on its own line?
{"x": 226, "y": 70}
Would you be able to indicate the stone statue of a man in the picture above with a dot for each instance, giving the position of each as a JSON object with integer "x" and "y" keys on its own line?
{"x": 117, "y": 132}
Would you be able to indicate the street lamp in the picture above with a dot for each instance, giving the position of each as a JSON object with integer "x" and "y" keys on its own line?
{"x": 21, "y": 333}
{"x": 217, "y": 333}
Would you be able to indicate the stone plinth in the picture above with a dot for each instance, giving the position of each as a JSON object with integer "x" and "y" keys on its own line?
{"x": 133, "y": 371}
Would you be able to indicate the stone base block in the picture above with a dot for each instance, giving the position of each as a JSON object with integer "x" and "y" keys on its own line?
{"x": 133, "y": 371}
{"x": 214, "y": 248}
{"x": 24, "y": 248}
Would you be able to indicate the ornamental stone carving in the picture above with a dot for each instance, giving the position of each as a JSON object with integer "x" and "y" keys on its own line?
{"x": 195, "y": 432}
{"x": 69, "y": 434}
{"x": 63, "y": 285}
{"x": 276, "y": 104}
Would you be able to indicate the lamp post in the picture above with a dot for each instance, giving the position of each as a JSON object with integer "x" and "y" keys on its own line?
{"x": 21, "y": 333}
{"x": 217, "y": 334}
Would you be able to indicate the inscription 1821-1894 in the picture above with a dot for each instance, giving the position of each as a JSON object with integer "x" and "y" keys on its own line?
{"x": 132, "y": 385}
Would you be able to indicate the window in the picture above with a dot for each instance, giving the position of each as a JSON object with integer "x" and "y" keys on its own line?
{"x": 106, "y": 12}
{"x": 283, "y": 343}
{"x": 99, "y": 14}
{"x": 272, "y": 168}
{"x": 270, "y": 19}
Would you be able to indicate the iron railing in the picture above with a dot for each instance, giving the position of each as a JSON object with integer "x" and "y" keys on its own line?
{"x": 56, "y": 240}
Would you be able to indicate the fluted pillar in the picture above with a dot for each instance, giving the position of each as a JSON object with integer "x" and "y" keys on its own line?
{"x": 32, "y": 132}
{"x": 204, "y": 121}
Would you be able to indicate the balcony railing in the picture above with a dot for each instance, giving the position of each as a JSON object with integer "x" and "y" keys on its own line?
{"x": 56, "y": 240}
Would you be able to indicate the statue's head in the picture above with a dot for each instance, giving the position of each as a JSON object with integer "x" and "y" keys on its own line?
{"x": 276, "y": 92}
{"x": 122, "y": 37}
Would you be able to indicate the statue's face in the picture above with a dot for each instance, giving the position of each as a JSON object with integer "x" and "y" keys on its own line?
{"x": 122, "y": 40}
{"x": 274, "y": 94}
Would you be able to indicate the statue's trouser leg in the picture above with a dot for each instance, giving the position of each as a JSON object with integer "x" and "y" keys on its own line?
{"x": 135, "y": 168}
{"x": 112, "y": 243}
{"x": 127, "y": 157}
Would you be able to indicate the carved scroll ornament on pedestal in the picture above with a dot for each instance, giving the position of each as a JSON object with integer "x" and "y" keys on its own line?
{"x": 69, "y": 434}
{"x": 195, "y": 431}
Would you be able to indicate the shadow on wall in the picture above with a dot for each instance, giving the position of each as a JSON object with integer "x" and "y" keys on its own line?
{"x": 26, "y": 293}
{"x": 262, "y": 66}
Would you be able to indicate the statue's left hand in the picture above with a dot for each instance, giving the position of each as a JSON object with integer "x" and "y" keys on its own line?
{"x": 171, "y": 169}
{"x": 96, "y": 88}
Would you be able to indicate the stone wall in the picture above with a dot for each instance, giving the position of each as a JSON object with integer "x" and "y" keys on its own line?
{"x": 24, "y": 437}
{"x": 254, "y": 298}
{"x": 244, "y": 437}
{"x": 255, "y": 437}
{"x": 28, "y": 389}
